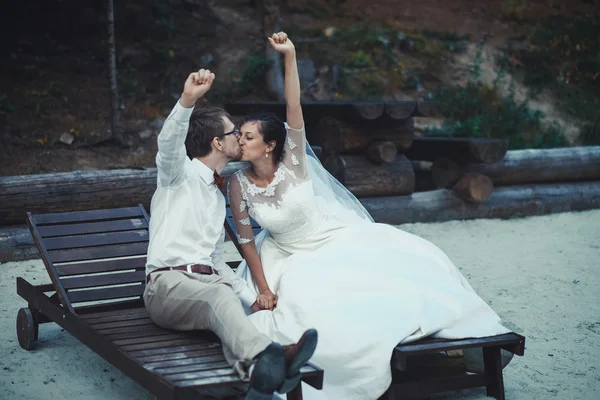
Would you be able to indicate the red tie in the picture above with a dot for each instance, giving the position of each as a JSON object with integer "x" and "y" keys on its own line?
{"x": 218, "y": 180}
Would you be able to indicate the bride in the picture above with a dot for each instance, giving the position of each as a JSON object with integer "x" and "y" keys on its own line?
{"x": 322, "y": 262}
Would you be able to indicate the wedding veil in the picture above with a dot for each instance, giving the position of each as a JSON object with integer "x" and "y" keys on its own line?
{"x": 338, "y": 200}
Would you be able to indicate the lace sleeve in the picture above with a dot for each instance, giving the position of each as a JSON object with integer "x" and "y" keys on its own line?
{"x": 239, "y": 210}
{"x": 294, "y": 157}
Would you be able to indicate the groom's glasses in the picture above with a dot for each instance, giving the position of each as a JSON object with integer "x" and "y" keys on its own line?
{"x": 235, "y": 132}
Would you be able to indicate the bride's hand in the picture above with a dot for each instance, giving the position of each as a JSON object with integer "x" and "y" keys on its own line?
{"x": 267, "y": 300}
{"x": 282, "y": 43}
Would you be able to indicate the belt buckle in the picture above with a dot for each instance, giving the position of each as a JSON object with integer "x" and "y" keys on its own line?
{"x": 189, "y": 268}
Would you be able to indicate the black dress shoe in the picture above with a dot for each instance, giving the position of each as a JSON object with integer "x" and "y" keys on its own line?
{"x": 296, "y": 356}
{"x": 269, "y": 373}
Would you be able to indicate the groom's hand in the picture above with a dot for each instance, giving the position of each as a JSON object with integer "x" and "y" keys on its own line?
{"x": 196, "y": 85}
{"x": 255, "y": 307}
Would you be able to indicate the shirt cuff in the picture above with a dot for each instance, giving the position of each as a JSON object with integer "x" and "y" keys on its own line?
{"x": 180, "y": 113}
{"x": 247, "y": 297}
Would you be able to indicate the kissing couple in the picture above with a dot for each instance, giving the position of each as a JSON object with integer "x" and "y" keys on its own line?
{"x": 320, "y": 264}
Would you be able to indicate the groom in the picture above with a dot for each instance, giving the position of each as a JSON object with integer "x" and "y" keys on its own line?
{"x": 189, "y": 285}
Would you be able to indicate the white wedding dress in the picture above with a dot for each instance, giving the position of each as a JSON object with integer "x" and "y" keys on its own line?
{"x": 365, "y": 287}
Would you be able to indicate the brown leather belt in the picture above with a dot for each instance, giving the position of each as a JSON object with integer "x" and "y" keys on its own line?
{"x": 191, "y": 268}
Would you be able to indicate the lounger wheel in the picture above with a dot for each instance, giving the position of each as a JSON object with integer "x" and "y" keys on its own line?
{"x": 26, "y": 328}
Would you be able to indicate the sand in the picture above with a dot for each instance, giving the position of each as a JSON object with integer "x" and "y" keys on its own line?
{"x": 540, "y": 274}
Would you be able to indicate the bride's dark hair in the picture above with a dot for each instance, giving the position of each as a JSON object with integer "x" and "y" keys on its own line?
{"x": 272, "y": 129}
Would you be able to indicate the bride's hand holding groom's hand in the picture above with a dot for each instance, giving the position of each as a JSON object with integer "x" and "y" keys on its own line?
{"x": 266, "y": 300}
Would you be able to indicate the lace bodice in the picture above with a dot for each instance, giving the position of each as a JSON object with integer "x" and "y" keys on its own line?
{"x": 286, "y": 207}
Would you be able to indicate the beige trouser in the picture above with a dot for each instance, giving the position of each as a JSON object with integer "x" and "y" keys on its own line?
{"x": 183, "y": 301}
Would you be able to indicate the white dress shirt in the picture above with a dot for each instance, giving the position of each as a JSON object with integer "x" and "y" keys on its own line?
{"x": 187, "y": 209}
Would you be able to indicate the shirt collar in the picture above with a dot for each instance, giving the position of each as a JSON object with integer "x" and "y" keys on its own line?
{"x": 205, "y": 173}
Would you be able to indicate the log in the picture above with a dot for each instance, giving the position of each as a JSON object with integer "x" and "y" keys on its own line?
{"x": 77, "y": 191}
{"x": 369, "y": 111}
{"x": 505, "y": 202}
{"x": 423, "y": 179}
{"x": 400, "y": 110}
{"x": 349, "y": 111}
{"x": 382, "y": 152}
{"x": 474, "y": 187}
{"x": 565, "y": 164}
{"x": 336, "y": 136}
{"x": 445, "y": 173}
{"x": 365, "y": 179}
{"x": 461, "y": 150}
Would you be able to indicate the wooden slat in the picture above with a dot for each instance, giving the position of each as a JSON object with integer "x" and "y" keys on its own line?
{"x": 94, "y": 253}
{"x": 221, "y": 377}
{"x": 428, "y": 346}
{"x": 173, "y": 350}
{"x": 164, "y": 344}
{"x": 208, "y": 350}
{"x": 149, "y": 331}
{"x": 103, "y": 326}
{"x": 104, "y": 280}
{"x": 96, "y": 239}
{"x": 139, "y": 314}
{"x": 93, "y": 227}
{"x": 89, "y": 317}
{"x": 136, "y": 327}
{"x": 192, "y": 369}
{"x": 93, "y": 267}
{"x": 210, "y": 355}
{"x": 152, "y": 339}
{"x": 112, "y": 306}
{"x": 118, "y": 292}
{"x": 210, "y": 381}
{"x": 210, "y": 373}
{"x": 87, "y": 216}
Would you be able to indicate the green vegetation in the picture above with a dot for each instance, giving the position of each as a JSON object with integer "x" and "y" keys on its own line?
{"x": 478, "y": 111}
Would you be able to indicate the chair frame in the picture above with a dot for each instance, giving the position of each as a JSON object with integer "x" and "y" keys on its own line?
{"x": 170, "y": 364}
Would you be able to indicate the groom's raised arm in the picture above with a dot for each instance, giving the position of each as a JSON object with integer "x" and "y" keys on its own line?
{"x": 171, "y": 156}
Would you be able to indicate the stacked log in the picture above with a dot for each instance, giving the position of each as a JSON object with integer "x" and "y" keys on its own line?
{"x": 460, "y": 150}
{"x": 527, "y": 166}
{"x": 350, "y": 111}
{"x": 469, "y": 185}
{"x": 566, "y": 179}
{"x": 505, "y": 202}
{"x": 384, "y": 152}
{"x": 336, "y": 136}
{"x": 362, "y": 178}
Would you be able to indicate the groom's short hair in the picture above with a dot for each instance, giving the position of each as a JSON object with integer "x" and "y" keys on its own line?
{"x": 206, "y": 123}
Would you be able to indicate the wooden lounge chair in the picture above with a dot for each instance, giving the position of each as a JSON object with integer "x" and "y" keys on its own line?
{"x": 95, "y": 260}
{"x": 420, "y": 369}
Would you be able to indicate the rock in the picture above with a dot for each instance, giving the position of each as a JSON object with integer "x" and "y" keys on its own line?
{"x": 67, "y": 138}
{"x": 145, "y": 134}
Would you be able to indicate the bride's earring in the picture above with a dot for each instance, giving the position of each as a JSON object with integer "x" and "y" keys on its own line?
{"x": 267, "y": 155}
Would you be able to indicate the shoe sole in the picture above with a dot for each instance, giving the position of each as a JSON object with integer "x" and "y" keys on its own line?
{"x": 305, "y": 352}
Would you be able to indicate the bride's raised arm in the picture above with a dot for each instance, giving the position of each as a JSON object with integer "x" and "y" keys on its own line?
{"x": 295, "y": 146}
